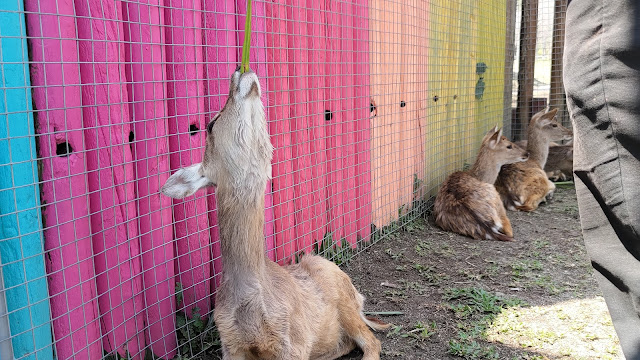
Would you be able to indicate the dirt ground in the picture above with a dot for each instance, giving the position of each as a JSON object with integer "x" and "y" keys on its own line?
{"x": 534, "y": 298}
{"x": 451, "y": 297}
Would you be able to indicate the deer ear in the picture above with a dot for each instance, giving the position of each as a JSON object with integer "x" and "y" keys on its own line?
{"x": 186, "y": 182}
{"x": 495, "y": 138}
{"x": 547, "y": 117}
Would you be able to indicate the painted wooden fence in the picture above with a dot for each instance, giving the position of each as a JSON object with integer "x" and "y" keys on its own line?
{"x": 398, "y": 59}
{"x": 319, "y": 122}
{"x": 120, "y": 95}
{"x": 370, "y": 103}
{"x": 463, "y": 102}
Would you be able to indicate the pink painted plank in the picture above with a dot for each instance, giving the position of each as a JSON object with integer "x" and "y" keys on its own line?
{"x": 220, "y": 61}
{"x": 258, "y": 58}
{"x": 362, "y": 119}
{"x": 299, "y": 87}
{"x": 333, "y": 130}
{"x": 115, "y": 240}
{"x": 57, "y": 99}
{"x": 258, "y": 62}
{"x": 316, "y": 30}
{"x": 279, "y": 128}
{"x": 144, "y": 56}
{"x": 185, "y": 90}
{"x": 349, "y": 158}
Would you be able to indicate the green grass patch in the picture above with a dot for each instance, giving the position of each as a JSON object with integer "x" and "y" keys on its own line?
{"x": 478, "y": 308}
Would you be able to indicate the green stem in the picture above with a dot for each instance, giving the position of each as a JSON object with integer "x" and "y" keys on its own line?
{"x": 561, "y": 183}
{"x": 381, "y": 313}
{"x": 244, "y": 66}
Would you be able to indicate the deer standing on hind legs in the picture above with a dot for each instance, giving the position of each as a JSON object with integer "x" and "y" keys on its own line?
{"x": 468, "y": 203}
{"x": 525, "y": 185}
{"x": 309, "y": 310}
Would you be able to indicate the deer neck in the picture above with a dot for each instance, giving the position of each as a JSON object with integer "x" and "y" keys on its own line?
{"x": 241, "y": 224}
{"x": 537, "y": 146}
{"x": 485, "y": 169}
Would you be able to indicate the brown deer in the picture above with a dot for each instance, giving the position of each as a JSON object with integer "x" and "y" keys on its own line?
{"x": 559, "y": 166}
{"x": 309, "y": 310}
{"x": 468, "y": 203}
{"x": 525, "y": 185}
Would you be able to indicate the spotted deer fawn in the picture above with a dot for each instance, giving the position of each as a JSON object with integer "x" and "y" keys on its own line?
{"x": 525, "y": 185}
{"x": 309, "y": 310}
{"x": 468, "y": 203}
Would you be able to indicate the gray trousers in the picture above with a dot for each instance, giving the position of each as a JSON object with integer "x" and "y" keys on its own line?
{"x": 602, "y": 83}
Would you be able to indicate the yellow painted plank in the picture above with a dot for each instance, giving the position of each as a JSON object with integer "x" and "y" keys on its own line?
{"x": 491, "y": 51}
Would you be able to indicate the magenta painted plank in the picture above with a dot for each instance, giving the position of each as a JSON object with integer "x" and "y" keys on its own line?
{"x": 57, "y": 99}
{"x": 348, "y": 122}
{"x": 144, "y": 56}
{"x": 220, "y": 61}
{"x": 316, "y": 32}
{"x": 186, "y": 107}
{"x": 280, "y": 130}
{"x": 300, "y": 120}
{"x": 259, "y": 58}
{"x": 362, "y": 118}
{"x": 106, "y": 121}
{"x": 269, "y": 225}
{"x": 334, "y": 138}
{"x": 258, "y": 62}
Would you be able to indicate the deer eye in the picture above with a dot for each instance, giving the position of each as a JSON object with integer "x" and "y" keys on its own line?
{"x": 555, "y": 125}
{"x": 509, "y": 147}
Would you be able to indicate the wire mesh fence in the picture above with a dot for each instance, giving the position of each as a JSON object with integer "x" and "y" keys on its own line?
{"x": 370, "y": 105}
{"x": 538, "y": 65}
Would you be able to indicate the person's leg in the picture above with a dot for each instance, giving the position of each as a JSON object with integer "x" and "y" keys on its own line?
{"x": 602, "y": 83}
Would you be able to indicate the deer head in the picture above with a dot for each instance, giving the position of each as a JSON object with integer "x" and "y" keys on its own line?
{"x": 500, "y": 150}
{"x": 238, "y": 151}
{"x": 545, "y": 123}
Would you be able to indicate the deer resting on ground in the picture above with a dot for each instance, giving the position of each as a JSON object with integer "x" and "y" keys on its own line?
{"x": 525, "y": 185}
{"x": 559, "y": 166}
{"x": 468, "y": 203}
{"x": 309, "y": 310}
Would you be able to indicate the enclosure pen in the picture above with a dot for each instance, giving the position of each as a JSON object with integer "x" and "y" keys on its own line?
{"x": 370, "y": 105}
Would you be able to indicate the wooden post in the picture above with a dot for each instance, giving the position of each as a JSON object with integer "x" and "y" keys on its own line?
{"x": 509, "y": 53}
{"x": 556, "y": 92}
{"x": 528, "y": 30}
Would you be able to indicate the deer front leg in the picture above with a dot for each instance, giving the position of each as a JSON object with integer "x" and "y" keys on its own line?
{"x": 186, "y": 182}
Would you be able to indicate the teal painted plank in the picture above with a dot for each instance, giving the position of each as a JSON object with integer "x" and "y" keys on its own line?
{"x": 21, "y": 241}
